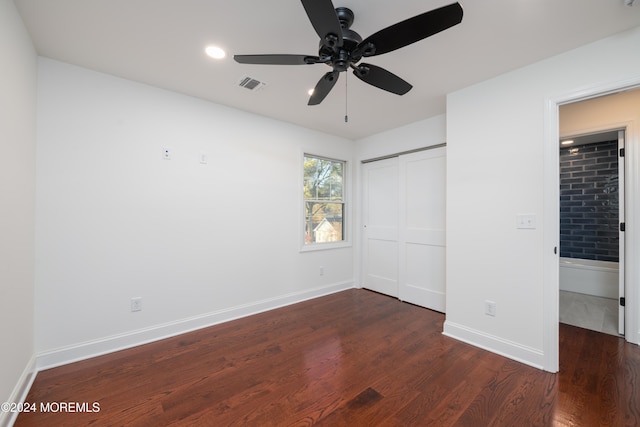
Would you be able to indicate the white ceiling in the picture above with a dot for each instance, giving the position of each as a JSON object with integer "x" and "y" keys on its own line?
{"x": 161, "y": 43}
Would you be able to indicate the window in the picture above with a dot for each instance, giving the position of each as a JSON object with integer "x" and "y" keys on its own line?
{"x": 324, "y": 205}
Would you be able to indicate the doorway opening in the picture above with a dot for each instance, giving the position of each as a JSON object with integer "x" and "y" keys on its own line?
{"x": 591, "y": 265}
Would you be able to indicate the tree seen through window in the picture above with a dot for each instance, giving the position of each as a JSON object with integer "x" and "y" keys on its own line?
{"x": 323, "y": 200}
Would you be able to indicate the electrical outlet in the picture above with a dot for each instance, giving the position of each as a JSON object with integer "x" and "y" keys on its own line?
{"x": 321, "y": 270}
{"x": 166, "y": 154}
{"x": 490, "y": 308}
{"x": 136, "y": 304}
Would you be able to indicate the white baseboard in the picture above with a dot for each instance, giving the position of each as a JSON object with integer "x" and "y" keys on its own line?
{"x": 20, "y": 392}
{"x": 86, "y": 350}
{"x": 527, "y": 355}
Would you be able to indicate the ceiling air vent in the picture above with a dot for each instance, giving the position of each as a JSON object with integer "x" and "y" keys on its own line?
{"x": 251, "y": 83}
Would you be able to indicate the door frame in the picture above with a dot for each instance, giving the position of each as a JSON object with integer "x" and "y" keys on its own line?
{"x": 551, "y": 212}
{"x": 622, "y": 205}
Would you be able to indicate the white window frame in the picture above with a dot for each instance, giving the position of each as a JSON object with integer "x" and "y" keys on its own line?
{"x": 345, "y": 242}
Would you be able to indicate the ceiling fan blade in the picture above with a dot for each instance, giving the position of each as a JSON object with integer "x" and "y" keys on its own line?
{"x": 411, "y": 30}
{"x": 382, "y": 79}
{"x": 324, "y": 86}
{"x": 325, "y": 21}
{"x": 277, "y": 59}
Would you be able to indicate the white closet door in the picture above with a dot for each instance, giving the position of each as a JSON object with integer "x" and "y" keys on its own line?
{"x": 380, "y": 222}
{"x": 422, "y": 228}
{"x": 404, "y": 227}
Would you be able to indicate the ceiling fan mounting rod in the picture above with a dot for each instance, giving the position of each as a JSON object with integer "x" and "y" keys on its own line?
{"x": 345, "y": 16}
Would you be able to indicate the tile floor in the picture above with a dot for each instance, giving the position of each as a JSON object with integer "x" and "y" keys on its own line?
{"x": 589, "y": 312}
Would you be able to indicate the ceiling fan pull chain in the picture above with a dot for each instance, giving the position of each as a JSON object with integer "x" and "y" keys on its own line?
{"x": 346, "y": 98}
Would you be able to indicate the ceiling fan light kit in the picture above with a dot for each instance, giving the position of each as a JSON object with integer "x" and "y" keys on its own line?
{"x": 341, "y": 48}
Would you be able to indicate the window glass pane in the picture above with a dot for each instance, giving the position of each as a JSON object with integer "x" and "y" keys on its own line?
{"x": 323, "y": 196}
{"x": 322, "y": 179}
{"x": 323, "y": 222}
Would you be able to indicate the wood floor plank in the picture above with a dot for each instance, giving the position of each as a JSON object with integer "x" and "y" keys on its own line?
{"x": 351, "y": 358}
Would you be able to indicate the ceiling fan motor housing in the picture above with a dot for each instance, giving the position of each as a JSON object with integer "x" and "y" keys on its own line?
{"x": 341, "y": 56}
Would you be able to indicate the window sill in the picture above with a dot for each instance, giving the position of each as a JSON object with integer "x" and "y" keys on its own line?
{"x": 324, "y": 246}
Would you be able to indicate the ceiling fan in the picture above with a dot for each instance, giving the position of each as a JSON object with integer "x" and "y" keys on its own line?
{"x": 342, "y": 48}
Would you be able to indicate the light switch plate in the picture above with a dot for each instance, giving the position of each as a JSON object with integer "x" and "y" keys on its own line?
{"x": 526, "y": 221}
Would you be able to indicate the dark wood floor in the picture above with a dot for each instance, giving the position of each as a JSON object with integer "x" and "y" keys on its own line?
{"x": 352, "y": 358}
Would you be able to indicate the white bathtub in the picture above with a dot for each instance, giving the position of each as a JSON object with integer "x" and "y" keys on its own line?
{"x": 599, "y": 278}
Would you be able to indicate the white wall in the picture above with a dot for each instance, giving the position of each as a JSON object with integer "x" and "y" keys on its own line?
{"x": 495, "y": 170}
{"x": 200, "y": 243}
{"x": 17, "y": 197}
{"x": 424, "y": 133}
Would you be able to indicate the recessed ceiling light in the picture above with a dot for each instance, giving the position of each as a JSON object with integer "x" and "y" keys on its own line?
{"x": 567, "y": 142}
{"x": 215, "y": 52}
